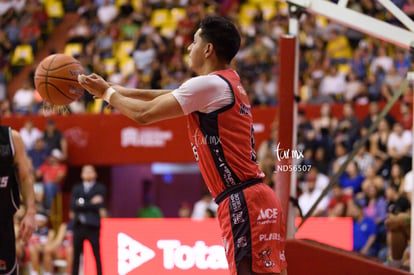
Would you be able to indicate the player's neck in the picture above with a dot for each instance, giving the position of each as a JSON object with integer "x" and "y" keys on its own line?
{"x": 211, "y": 67}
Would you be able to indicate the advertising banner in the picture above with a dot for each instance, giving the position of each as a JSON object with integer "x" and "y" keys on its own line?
{"x": 185, "y": 246}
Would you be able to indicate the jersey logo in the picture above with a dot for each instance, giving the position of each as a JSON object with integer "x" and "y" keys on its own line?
{"x": 3, "y": 265}
{"x": 4, "y": 150}
{"x": 4, "y": 181}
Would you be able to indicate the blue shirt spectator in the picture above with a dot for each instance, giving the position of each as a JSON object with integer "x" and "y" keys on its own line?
{"x": 352, "y": 178}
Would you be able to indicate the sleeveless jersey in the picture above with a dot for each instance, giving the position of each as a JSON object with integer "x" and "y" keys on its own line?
{"x": 9, "y": 192}
{"x": 223, "y": 142}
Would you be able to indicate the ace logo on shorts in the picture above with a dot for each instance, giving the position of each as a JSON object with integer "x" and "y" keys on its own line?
{"x": 267, "y": 216}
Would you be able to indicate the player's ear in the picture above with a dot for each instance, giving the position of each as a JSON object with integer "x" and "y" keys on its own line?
{"x": 208, "y": 48}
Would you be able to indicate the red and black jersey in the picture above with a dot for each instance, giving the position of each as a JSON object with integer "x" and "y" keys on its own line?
{"x": 223, "y": 142}
{"x": 9, "y": 191}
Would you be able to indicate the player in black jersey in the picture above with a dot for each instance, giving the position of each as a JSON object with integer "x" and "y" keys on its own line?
{"x": 16, "y": 174}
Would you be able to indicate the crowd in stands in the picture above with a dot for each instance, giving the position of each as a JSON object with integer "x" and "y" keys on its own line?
{"x": 376, "y": 183}
{"x": 143, "y": 44}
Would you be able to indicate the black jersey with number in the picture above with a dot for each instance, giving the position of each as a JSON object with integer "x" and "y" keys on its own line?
{"x": 9, "y": 192}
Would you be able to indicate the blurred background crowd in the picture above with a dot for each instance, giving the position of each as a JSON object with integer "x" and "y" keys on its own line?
{"x": 143, "y": 44}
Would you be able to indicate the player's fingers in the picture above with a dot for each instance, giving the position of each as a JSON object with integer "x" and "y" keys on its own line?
{"x": 27, "y": 232}
{"x": 82, "y": 79}
{"x": 95, "y": 76}
{"x": 22, "y": 230}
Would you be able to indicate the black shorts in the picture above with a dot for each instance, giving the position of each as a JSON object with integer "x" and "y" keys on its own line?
{"x": 8, "y": 261}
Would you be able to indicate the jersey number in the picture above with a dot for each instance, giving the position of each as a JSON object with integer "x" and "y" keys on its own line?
{"x": 4, "y": 181}
{"x": 195, "y": 152}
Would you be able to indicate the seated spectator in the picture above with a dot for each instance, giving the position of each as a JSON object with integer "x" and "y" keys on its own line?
{"x": 322, "y": 160}
{"x": 348, "y": 125}
{"x": 396, "y": 203}
{"x": 375, "y": 205}
{"x": 378, "y": 141}
{"x": 333, "y": 84}
{"x": 372, "y": 179}
{"x": 381, "y": 61}
{"x": 399, "y": 146}
{"x": 144, "y": 54}
{"x": 107, "y": 12}
{"x": 209, "y": 213}
{"x": 38, "y": 153}
{"x": 310, "y": 195}
{"x": 104, "y": 43}
{"x": 398, "y": 226}
{"x": 60, "y": 248}
{"x": 364, "y": 159}
{"x": 149, "y": 209}
{"x": 80, "y": 32}
{"x": 374, "y": 111}
{"x": 358, "y": 64}
{"x": 54, "y": 139}
{"x": 364, "y": 228}
{"x": 321, "y": 179}
{"x": 408, "y": 184}
{"x": 52, "y": 173}
{"x": 351, "y": 180}
{"x": 13, "y": 32}
{"x": 316, "y": 97}
{"x": 408, "y": 8}
{"x": 30, "y": 134}
{"x": 338, "y": 47}
{"x": 39, "y": 240}
{"x": 326, "y": 121}
{"x": 185, "y": 210}
{"x": 393, "y": 80}
{"x": 338, "y": 202}
{"x": 23, "y": 99}
{"x": 265, "y": 90}
{"x": 397, "y": 177}
{"x": 5, "y": 110}
{"x": 354, "y": 87}
{"x": 340, "y": 155}
{"x": 406, "y": 115}
{"x": 200, "y": 206}
{"x": 402, "y": 62}
{"x": 30, "y": 33}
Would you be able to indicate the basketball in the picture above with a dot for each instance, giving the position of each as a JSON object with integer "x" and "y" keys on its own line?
{"x": 56, "y": 79}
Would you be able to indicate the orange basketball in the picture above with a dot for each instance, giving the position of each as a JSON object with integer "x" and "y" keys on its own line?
{"x": 56, "y": 79}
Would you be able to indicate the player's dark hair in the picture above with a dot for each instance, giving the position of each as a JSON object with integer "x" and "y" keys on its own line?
{"x": 223, "y": 34}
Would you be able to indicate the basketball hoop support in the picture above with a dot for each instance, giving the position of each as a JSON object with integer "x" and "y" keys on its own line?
{"x": 339, "y": 13}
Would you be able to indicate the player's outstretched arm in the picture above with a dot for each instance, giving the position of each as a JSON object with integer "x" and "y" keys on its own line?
{"x": 142, "y": 94}
{"x": 26, "y": 181}
{"x": 162, "y": 107}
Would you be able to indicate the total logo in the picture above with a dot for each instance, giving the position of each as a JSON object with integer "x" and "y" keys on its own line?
{"x": 132, "y": 254}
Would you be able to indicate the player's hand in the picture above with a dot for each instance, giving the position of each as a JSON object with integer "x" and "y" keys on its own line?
{"x": 27, "y": 226}
{"x": 94, "y": 84}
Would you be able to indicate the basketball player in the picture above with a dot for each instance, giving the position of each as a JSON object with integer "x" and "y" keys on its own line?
{"x": 15, "y": 171}
{"x": 221, "y": 134}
